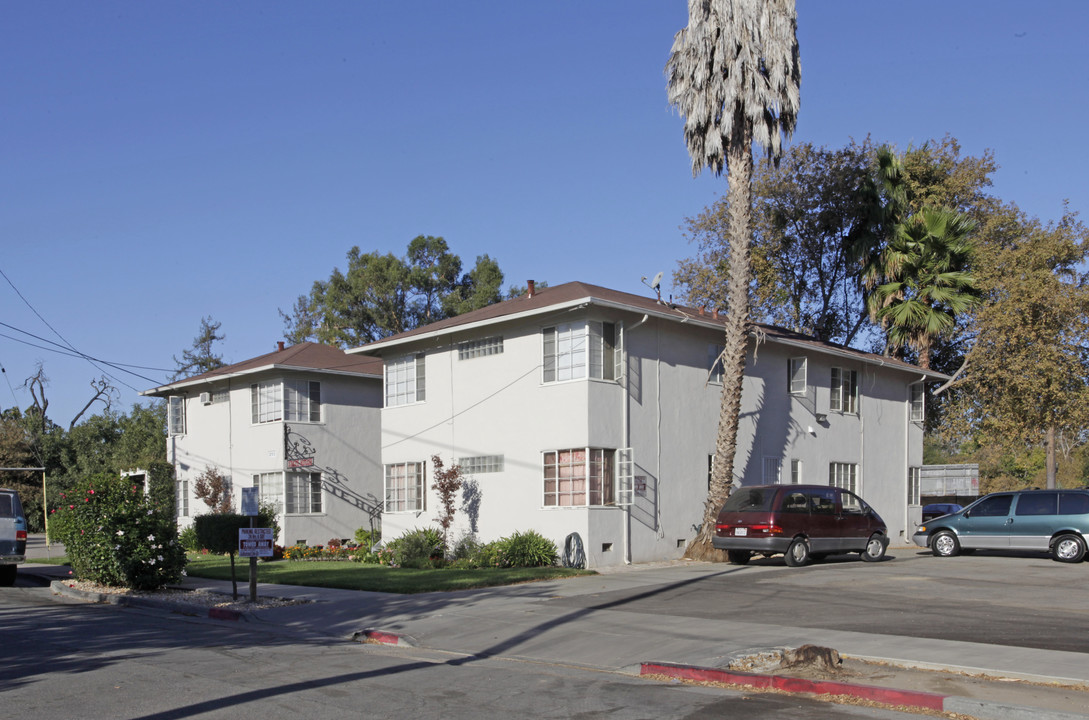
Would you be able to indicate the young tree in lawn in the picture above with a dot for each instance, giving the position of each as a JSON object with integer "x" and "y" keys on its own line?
{"x": 734, "y": 74}
{"x": 447, "y": 482}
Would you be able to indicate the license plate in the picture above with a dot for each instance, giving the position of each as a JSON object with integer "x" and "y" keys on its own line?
{"x": 738, "y": 532}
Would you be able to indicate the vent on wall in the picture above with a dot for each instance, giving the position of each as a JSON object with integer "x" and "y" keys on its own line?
{"x": 206, "y": 398}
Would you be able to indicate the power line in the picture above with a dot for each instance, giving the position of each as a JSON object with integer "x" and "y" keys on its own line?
{"x": 63, "y": 351}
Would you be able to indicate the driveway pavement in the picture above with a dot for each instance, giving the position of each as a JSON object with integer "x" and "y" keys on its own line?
{"x": 595, "y": 622}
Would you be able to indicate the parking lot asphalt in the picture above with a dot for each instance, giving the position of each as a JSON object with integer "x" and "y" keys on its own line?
{"x": 597, "y": 622}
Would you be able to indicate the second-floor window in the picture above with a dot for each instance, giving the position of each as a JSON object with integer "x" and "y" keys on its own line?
{"x": 405, "y": 380}
{"x": 175, "y": 420}
{"x": 573, "y": 351}
{"x": 918, "y": 403}
{"x": 844, "y": 396}
{"x": 797, "y": 370}
{"x": 294, "y": 400}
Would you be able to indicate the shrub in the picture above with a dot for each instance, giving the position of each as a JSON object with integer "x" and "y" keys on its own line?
{"x": 114, "y": 535}
{"x": 528, "y": 549}
{"x": 416, "y": 548}
{"x": 188, "y": 539}
{"x": 366, "y": 539}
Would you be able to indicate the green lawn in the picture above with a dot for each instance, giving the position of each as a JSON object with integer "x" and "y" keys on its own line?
{"x": 61, "y": 560}
{"x": 348, "y": 575}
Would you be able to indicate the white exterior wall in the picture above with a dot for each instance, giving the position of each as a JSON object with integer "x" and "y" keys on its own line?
{"x": 344, "y": 447}
{"x": 498, "y": 405}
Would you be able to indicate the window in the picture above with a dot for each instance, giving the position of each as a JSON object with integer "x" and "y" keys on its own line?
{"x": 176, "y": 416}
{"x": 266, "y": 402}
{"x": 302, "y": 399}
{"x": 183, "y": 498}
{"x": 773, "y": 469}
{"x": 914, "y": 479}
{"x": 918, "y": 403}
{"x": 303, "y": 493}
{"x": 625, "y": 477}
{"x": 585, "y": 349}
{"x": 405, "y": 380}
{"x": 404, "y": 487}
{"x": 270, "y": 489}
{"x": 481, "y": 464}
{"x": 844, "y": 391}
{"x": 579, "y": 477}
{"x": 992, "y": 506}
{"x": 480, "y": 348}
{"x": 795, "y": 472}
{"x": 1073, "y": 503}
{"x": 714, "y": 363}
{"x": 797, "y": 368}
{"x": 843, "y": 476}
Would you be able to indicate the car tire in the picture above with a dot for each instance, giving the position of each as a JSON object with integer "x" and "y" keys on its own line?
{"x": 7, "y": 575}
{"x": 1068, "y": 548}
{"x": 875, "y": 549}
{"x": 738, "y": 557}
{"x": 797, "y": 555}
{"x": 945, "y": 544}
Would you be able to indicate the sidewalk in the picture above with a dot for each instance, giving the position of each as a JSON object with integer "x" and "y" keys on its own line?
{"x": 520, "y": 622}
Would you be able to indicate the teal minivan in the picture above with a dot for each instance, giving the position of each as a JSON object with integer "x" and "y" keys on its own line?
{"x": 1052, "y": 521}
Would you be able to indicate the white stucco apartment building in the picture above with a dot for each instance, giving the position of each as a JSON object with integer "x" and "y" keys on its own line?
{"x": 578, "y": 409}
{"x": 300, "y": 423}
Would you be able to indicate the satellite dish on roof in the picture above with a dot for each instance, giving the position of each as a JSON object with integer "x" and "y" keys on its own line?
{"x": 655, "y": 285}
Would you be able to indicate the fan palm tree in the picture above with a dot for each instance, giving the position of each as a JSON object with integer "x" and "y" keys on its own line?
{"x": 734, "y": 74}
{"x": 926, "y": 281}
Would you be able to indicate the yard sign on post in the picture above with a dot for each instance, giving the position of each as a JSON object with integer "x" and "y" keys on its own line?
{"x": 253, "y": 542}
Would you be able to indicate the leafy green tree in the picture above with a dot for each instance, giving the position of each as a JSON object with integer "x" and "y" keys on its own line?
{"x": 201, "y": 358}
{"x": 734, "y": 74}
{"x": 380, "y": 295}
{"x": 1025, "y": 382}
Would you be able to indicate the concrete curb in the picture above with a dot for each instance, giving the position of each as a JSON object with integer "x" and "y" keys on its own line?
{"x": 60, "y": 587}
{"x": 902, "y": 698}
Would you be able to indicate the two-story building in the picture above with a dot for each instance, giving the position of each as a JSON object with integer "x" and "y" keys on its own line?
{"x": 301, "y": 424}
{"x": 578, "y": 409}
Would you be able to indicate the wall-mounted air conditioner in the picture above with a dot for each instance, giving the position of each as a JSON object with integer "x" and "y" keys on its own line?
{"x": 206, "y": 398}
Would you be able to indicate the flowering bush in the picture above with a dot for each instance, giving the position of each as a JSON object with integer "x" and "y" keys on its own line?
{"x": 320, "y": 552}
{"x": 114, "y": 535}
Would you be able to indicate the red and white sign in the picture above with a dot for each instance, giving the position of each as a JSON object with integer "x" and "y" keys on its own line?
{"x": 255, "y": 542}
{"x": 300, "y": 462}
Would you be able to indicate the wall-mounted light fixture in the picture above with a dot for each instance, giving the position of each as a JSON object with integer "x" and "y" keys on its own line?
{"x": 821, "y": 418}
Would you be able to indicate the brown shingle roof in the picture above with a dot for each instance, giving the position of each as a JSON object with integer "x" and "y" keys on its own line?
{"x": 304, "y": 356}
{"x": 574, "y": 293}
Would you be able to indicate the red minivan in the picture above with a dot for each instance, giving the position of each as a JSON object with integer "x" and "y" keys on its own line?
{"x": 803, "y": 522}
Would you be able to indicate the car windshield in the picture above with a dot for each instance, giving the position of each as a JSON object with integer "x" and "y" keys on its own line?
{"x": 750, "y": 500}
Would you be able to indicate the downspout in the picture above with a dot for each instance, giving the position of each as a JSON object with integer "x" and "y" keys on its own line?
{"x": 626, "y": 424}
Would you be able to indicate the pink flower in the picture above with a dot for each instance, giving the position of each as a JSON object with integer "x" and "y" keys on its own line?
{"x": 91, "y": 491}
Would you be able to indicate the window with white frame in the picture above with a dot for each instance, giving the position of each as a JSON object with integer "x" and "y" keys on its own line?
{"x": 176, "y": 415}
{"x": 266, "y": 402}
{"x": 405, "y": 380}
{"x": 918, "y": 403}
{"x": 715, "y": 371}
{"x": 183, "y": 498}
{"x": 303, "y": 490}
{"x": 481, "y": 464}
{"x": 795, "y": 472}
{"x": 773, "y": 469}
{"x": 573, "y": 351}
{"x": 270, "y": 489}
{"x": 480, "y": 348}
{"x": 579, "y": 477}
{"x": 797, "y": 369}
{"x": 843, "y": 476}
{"x": 915, "y": 475}
{"x": 844, "y": 397}
{"x": 625, "y": 477}
{"x": 302, "y": 400}
{"x": 404, "y": 489}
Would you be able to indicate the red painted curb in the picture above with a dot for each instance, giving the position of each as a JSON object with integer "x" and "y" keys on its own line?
{"x": 223, "y": 614}
{"x": 378, "y": 636}
{"x": 908, "y": 698}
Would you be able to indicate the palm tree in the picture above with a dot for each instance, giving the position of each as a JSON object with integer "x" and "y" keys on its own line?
{"x": 926, "y": 281}
{"x": 734, "y": 75}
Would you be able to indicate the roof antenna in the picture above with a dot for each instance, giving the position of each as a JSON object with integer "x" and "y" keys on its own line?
{"x": 655, "y": 285}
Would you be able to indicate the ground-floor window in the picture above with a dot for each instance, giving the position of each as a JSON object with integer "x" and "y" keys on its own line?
{"x": 579, "y": 476}
{"x": 183, "y": 498}
{"x": 404, "y": 487}
{"x": 914, "y": 475}
{"x": 843, "y": 475}
{"x": 270, "y": 489}
{"x": 303, "y": 493}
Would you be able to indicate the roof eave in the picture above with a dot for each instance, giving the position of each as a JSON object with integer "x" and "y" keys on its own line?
{"x": 164, "y": 390}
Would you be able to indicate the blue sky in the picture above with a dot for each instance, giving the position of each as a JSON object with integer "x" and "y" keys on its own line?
{"x": 166, "y": 161}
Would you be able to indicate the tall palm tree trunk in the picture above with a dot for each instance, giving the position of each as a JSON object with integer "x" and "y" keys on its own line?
{"x": 739, "y": 156}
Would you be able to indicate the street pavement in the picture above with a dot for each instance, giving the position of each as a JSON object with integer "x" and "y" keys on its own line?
{"x": 526, "y": 622}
